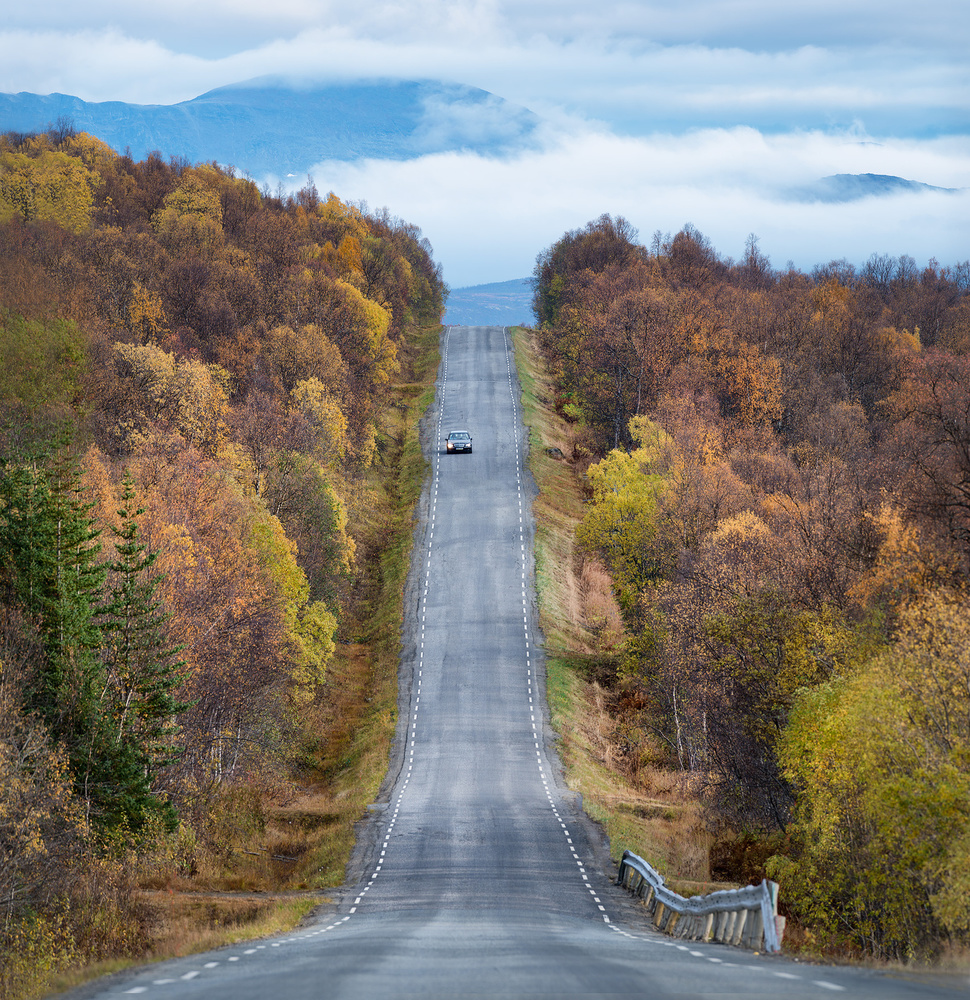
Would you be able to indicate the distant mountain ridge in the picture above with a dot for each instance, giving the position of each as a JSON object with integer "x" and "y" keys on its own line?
{"x": 282, "y": 127}
{"x": 850, "y": 187}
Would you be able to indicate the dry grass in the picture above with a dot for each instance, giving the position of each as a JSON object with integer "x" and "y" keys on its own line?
{"x": 186, "y": 924}
{"x": 644, "y": 809}
{"x": 599, "y": 610}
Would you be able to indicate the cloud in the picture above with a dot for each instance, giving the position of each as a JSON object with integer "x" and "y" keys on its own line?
{"x": 760, "y": 25}
{"x": 488, "y": 218}
{"x": 480, "y": 119}
{"x": 634, "y": 72}
{"x": 665, "y": 112}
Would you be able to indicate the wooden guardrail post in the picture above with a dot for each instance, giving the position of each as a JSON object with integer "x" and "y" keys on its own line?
{"x": 740, "y": 917}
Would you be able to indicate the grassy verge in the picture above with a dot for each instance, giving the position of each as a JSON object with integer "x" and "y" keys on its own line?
{"x": 191, "y": 924}
{"x": 361, "y": 699}
{"x": 642, "y": 808}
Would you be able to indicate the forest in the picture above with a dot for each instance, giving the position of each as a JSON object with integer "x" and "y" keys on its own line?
{"x": 776, "y": 469}
{"x": 194, "y": 380}
{"x": 195, "y": 384}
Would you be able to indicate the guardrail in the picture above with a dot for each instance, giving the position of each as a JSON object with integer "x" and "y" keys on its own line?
{"x": 746, "y": 918}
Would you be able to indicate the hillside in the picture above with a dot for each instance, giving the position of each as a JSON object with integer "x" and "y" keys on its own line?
{"x": 774, "y": 469}
{"x": 208, "y": 457}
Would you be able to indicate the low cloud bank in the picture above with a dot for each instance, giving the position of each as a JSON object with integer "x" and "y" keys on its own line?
{"x": 488, "y": 218}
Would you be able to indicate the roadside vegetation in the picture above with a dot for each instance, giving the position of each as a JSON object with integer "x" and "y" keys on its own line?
{"x": 656, "y": 814}
{"x": 752, "y": 559}
{"x": 209, "y": 460}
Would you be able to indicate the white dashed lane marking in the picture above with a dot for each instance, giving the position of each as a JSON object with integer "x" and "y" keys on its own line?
{"x": 533, "y": 695}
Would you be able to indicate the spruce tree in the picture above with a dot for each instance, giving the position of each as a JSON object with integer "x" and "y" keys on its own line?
{"x": 105, "y": 686}
{"x": 144, "y": 671}
{"x": 52, "y": 547}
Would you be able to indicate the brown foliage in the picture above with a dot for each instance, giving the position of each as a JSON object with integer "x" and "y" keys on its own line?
{"x": 816, "y": 473}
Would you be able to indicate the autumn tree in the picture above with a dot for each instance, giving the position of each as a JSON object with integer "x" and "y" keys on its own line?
{"x": 599, "y": 244}
{"x": 47, "y": 186}
{"x": 882, "y": 852}
{"x": 621, "y": 523}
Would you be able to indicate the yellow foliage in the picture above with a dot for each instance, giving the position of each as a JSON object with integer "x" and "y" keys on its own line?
{"x": 367, "y": 446}
{"x": 621, "y": 523}
{"x": 310, "y": 627}
{"x": 314, "y": 634}
{"x": 176, "y": 549}
{"x": 51, "y": 187}
{"x": 654, "y": 450}
{"x": 190, "y": 219}
{"x": 374, "y": 322}
{"x": 740, "y": 555}
{"x": 346, "y": 259}
{"x": 200, "y": 396}
{"x": 99, "y": 487}
{"x": 306, "y": 353}
{"x": 93, "y": 152}
{"x": 151, "y": 370}
{"x": 881, "y": 759}
{"x": 898, "y": 343}
{"x": 189, "y": 394}
{"x": 899, "y": 568}
{"x": 830, "y": 304}
{"x": 312, "y": 398}
{"x": 739, "y": 531}
{"x": 146, "y": 317}
{"x": 754, "y": 384}
{"x": 348, "y": 547}
{"x": 332, "y": 209}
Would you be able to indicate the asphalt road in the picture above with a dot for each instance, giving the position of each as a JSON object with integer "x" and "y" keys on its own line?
{"x": 478, "y": 875}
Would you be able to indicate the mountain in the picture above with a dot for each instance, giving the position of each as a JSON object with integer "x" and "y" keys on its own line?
{"x": 281, "y": 127}
{"x": 851, "y": 187}
{"x": 502, "y": 303}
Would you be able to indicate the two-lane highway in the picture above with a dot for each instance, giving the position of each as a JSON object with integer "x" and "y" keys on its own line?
{"x": 479, "y": 878}
{"x": 474, "y": 823}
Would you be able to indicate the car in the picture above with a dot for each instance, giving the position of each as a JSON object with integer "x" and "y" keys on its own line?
{"x": 458, "y": 441}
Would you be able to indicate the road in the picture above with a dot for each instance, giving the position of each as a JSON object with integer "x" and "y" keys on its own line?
{"x": 478, "y": 874}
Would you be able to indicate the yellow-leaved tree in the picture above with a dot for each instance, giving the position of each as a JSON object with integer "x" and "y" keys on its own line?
{"x": 881, "y": 760}
{"x": 189, "y": 396}
{"x": 621, "y": 523}
{"x": 305, "y": 353}
{"x": 49, "y": 187}
{"x": 190, "y": 219}
{"x": 309, "y": 625}
{"x": 328, "y": 424}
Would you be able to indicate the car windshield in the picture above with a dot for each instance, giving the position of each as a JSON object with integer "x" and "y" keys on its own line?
{"x": 459, "y": 436}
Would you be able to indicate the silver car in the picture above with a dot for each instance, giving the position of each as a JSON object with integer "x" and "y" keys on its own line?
{"x": 458, "y": 441}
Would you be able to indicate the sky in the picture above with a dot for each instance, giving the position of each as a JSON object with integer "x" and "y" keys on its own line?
{"x": 667, "y": 112}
